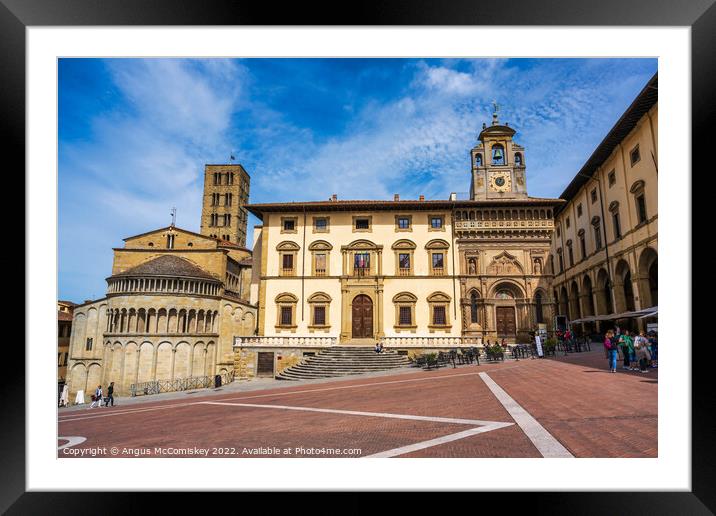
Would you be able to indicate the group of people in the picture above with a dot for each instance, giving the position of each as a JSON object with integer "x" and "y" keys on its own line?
{"x": 379, "y": 347}
{"x": 639, "y": 352}
{"x": 98, "y": 399}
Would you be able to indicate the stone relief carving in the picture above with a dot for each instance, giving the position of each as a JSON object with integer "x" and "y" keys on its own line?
{"x": 504, "y": 264}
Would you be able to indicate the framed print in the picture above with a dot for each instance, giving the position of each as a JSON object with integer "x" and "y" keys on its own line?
{"x": 417, "y": 253}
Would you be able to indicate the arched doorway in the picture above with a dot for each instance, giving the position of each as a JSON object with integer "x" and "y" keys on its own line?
{"x": 508, "y": 322}
{"x": 623, "y": 291}
{"x": 362, "y": 317}
{"x": 648, "y": 278}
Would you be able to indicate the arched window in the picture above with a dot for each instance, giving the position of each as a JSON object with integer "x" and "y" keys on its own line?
{"x": 518, "y": 159}
{"x": 478, "y": 160}
{"x": 498, "y": 155}
{"x": 473, "y": 308}
{"x": 539, "y": 316}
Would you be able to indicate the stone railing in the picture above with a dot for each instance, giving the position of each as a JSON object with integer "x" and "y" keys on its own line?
{"x": 463, "y": 225}
{"x": 285, "y": 342}
{"x": 431, "y": 342}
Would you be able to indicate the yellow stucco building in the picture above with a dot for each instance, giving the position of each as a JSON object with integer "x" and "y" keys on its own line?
{"x": 604, "y": 252}
{"x": 415, "y": 274}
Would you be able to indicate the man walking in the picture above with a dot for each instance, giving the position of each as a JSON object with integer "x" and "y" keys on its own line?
{"x": 110, "y": 395}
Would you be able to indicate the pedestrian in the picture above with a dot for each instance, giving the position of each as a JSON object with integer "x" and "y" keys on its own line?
{"x": 653, "y": 348}
{"x": 629, "y": 339}
{"x": 641, "y": 346}
{"x": 97, "y": 397}
{"x": 610, "y": 345}
{"x": 110, "y": 395}
{"x": 624, "y": 346}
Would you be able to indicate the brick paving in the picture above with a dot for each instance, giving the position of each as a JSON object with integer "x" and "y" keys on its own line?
{"x": 592, "y": 412}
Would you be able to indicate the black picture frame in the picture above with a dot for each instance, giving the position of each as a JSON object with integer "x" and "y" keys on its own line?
{"x": 700, "y": 15}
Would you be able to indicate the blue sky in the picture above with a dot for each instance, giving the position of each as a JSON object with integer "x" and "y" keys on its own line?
{"x": 134, "y": 134}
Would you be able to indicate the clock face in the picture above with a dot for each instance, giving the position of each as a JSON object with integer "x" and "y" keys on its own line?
{"x": 500, "y": 183}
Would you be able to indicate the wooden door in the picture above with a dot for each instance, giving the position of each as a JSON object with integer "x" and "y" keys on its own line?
{"x": 362, "y": 315}
{"x": 264, "y": 365}
{"x": 505, "y": 320}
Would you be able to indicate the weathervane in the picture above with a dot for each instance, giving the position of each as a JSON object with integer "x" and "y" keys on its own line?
{"x": 174, "y": 215}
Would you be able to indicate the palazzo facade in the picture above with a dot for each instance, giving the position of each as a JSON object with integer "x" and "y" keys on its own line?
{"x": 413, "y": 273}
{"x": 604, "y": 254}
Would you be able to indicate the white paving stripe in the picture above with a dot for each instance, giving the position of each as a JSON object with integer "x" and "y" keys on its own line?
{"x": 78, "y": 414}
{"x": 484, "y": 426}
{"x": 73, "y": 440}
{"x": 439, "y": 440}
{"x": 358, "y": 413}
{"x": 547, "y": 445}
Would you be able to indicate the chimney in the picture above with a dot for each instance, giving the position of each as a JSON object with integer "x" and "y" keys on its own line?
{"x": 334, "y": 197}
{"x": 453, "y": 196}
{"x": 396, "y": 197}
{"x": 422, "y": 197}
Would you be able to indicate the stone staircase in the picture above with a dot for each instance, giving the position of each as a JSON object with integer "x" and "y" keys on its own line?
{"x": 343, "y": 361}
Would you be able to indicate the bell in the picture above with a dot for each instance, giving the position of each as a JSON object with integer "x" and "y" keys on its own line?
{"x": 498, "y": 154}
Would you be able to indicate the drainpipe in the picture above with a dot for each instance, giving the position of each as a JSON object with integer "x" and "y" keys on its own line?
{"x": 303, "y": 265}
{"x": 452, "y": 252}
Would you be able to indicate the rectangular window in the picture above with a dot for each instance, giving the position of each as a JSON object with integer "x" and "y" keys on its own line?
{"x": 594, "y": 195}
{"x": 404, "y": 260}
{"x": 597, "y": 237}
{"x": 641, "y": 208}
{"x": 571, "y": 256}
{"x": 361, "y": 263}
{"x": 634, "y": 156}
{"x": 439, "y": 318}
{"x": 406, "y": 316}
{"x": 403, "y": 223}
{"x": 319, "y": 315}
{"x": 561, "y": 263}
{"x": 617, "y": 226}
{"x": 289, "y": 225}
{"x": 612, "y": 178}
{"x": 362, "y": 224}
{"x": 438, "y": 260}
{"x": 287, "y": 263}
{"x": 567, "y": 222}
{"x": 320, "y": 264}
{"x": 321, "y": 224}
{"x": 286, "y": 315}
{"x": 579, "y": 210}
{"x": 88, "y": 346}
{"x": 583, "y": 247}
{"x": 436, "y": 222}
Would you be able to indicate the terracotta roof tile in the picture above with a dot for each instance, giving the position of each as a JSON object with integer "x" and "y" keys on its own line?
{"x": 64, "y": 316}
{"x": 168, "y": 265}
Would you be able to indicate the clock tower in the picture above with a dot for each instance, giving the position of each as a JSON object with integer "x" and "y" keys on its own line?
{"x": 498, "y": 164}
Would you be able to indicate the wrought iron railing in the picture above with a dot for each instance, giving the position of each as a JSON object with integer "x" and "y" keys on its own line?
{"x": 178, "y": 384}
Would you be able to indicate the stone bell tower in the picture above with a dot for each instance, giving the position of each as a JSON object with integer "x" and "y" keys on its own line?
{"x": 226, "y": 192}
{"x": 498, "y": 163}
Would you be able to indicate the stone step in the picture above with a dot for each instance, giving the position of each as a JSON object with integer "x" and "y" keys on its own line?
{"x": 344, "y": 361}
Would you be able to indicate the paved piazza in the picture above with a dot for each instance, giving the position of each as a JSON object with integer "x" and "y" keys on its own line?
{"x": 554, "y": 407}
